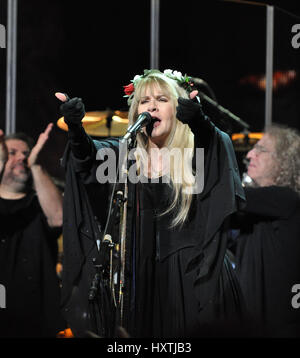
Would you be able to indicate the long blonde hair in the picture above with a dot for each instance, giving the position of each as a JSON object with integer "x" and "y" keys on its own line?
{"x": 180, "y": 138}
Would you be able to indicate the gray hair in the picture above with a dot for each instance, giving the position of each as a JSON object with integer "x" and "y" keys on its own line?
{"x": 287, "y": 155}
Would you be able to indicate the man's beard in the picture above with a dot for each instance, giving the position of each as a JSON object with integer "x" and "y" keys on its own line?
{"x": 19, "y": 179}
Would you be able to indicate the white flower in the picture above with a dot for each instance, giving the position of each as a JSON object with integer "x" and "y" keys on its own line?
{"x": 174, "y": 75}
{"x": 168, "y": 72}
{"x": 177, "y": 75}
{"x": 136, "y": 79}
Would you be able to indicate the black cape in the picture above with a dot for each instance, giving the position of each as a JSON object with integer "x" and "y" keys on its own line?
{"x": 211, "y": 300}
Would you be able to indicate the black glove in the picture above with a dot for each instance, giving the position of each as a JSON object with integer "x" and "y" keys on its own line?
{"x": 189, "y": 112}
{"x": 73, "y": 111}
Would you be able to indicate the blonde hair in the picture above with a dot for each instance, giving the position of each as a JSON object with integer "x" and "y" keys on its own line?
{"x": 180, "y": 137}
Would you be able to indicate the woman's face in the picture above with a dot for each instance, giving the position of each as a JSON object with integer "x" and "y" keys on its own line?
{"x": 155, "y": 101}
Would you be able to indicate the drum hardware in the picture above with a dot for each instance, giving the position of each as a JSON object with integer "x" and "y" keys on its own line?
{"x": 102, "y": 123}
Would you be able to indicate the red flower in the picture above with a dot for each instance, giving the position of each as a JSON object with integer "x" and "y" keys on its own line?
{"x": 129, "y": 89}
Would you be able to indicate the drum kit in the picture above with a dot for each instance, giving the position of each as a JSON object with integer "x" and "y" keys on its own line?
{"x": 108, "y": 123}
{"x": 243, "y": 142}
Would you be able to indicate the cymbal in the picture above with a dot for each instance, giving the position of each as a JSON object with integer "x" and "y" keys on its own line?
{"x": 97, "y": 123}
{"x": 245, "y": 142}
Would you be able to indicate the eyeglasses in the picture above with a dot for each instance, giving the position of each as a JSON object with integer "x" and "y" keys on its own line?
{"x": 260, "y": 149}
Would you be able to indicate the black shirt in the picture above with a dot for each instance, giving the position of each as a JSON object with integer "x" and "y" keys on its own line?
{"x": 268, "y": 259}
{"x": 28, "y": 250}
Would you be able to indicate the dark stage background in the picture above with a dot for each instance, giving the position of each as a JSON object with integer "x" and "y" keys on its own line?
{"x": 92, "y": 48}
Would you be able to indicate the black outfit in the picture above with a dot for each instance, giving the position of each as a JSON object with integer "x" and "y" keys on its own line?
{"x": 268, "y": 259}
{"x": 28, "y": 253}
{"x": 165, "y": 304}
{"x": 180, "y": 282}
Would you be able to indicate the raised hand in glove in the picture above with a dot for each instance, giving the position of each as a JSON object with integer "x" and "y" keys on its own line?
{"x": 72, "y": 109}
{"x": 190, "y": 112}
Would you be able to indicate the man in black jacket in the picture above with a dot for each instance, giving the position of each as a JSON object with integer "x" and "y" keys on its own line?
{"x": 268, "y": 247}
{"x": 31, "y": 220}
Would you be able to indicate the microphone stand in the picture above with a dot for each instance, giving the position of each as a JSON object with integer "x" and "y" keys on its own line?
{"x": 226, "y": 112}
{"x": 100, "y": 296}
{"x": 130, "y": 144}
{"x": 106, "y": 293}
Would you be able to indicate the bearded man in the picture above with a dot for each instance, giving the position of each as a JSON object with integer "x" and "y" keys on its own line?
{"x": 31, "y": 221}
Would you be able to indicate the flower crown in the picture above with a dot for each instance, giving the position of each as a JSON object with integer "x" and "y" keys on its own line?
{"x": 183, "y": 81}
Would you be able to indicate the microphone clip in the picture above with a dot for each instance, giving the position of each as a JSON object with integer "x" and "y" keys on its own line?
{"x": 143, "y": 120}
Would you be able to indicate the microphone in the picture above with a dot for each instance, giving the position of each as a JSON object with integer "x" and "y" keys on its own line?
{"x": 211, "y": 99}
{"x": 143, "y": 120}
{"x": 201, "y": 85}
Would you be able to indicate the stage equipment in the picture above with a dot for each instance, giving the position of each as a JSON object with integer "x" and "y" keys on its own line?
{"x": 109, "y": 290}
{"x": 201, "y": 85}
{"x": 11, "y": 66}
{"x": 243, "y": 142}
{"x": 102, "y": 123}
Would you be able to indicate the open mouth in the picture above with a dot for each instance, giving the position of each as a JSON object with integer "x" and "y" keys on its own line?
{"x": 153, "y": 124}
{"x": 156, "y": 122}
{"x": 19, "y": 166}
